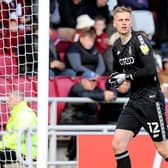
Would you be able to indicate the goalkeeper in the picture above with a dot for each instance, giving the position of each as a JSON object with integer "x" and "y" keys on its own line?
{"x": 134, "y": 62}
{"x": 21, "y": 117}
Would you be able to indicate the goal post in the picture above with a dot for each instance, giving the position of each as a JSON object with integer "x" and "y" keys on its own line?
{"x": 43, "y": 84}
{"x": 20, "y": 53}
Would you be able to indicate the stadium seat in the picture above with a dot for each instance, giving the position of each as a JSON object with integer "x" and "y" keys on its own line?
{"x": 4, "y": 115}
{"x": 63, "y": 86}
{"x": 12, "y": 39}
{"x": 8, "y": 65}
{"x": 101, "y": 82}
{"x": 35, "y": 83}
{"x": 2, "y": 42}
{"x": 143, "y": 20}
{"x": 5, "y": 89}
{"x": 5, "y": 86}
{"x": 51, "y": 91}
{"x": 26, "y": 85}
{"x": 52, "y": 88}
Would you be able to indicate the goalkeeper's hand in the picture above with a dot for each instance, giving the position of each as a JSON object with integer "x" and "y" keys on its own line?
{"x": 115, "y": 80}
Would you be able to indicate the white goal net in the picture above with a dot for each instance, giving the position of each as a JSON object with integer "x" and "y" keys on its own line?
{"x": 19, "y": 36}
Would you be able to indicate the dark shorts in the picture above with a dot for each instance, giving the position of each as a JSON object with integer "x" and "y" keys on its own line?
{"x": 145, "y": 109}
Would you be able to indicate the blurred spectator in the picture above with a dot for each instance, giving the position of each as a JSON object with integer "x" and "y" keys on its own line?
{"x": 15, "y": 19}
{"x": 157, "y": 56}
{"x": 158, "y": 60}
{"x": 101, "y": 40}
{"x": 4, "y": 14}
{"x": 109, "y": 112}
{"x": 28, "y": 52}
{"x": 35, "y": 10}
{"x": 20, "y": 13}
{"x": 56, "y": 66}
{"x": 69, "y": 11}
{"x": 163, "y": 74}
{"x": 21, "y": 117}
{"x": 54, "y": 13}
{"x": 108, "y": 56}
{"x": 83, "y": 113}
{"x": 62, "y": 38}
{"x": 98, "y": 7}
{"x": 83, "y": 56}
{"x": 162, "y": 27}
{"x": 113, "y": 38}
{"x": 16, "y": 13}
{"x": 134, "y": 4}
{"x": 163, "y": 77}
{"x": 84, "y": 22}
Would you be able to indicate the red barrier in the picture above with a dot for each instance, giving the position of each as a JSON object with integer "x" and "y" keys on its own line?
{"x": 95, "y": 152}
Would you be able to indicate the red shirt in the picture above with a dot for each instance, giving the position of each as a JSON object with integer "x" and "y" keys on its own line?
{"x": 101, "y": 42}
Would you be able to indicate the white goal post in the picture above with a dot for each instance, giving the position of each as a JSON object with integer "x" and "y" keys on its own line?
{"x": 14, "y": 63}
{"x": 43, "y": 84}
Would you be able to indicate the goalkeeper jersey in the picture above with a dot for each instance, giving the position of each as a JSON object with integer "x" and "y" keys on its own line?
{"x": 135, "y": 58}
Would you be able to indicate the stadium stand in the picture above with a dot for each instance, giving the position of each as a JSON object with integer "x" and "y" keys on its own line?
{"x": 101, "y": 82}
{"x": 8, "y": 65}
{"x": 63, "y": 86}
{"x": 140, "y": 25}
{"x": 4, "y": 91}
{"x": 26, "y": 85}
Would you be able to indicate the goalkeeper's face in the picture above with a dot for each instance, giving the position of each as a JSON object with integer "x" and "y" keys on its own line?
{"x": 123, "y": 23}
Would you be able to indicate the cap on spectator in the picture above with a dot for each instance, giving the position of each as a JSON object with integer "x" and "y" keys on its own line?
{"x": 89, "y": 75}
{"x": 84, "y": 21}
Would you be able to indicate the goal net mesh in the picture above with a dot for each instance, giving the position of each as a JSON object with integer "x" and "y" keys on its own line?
{"x": 18, "y": 61}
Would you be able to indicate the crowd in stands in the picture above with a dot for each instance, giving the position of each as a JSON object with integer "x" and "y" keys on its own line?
{"x": 81, "y": 36}
{"x": 80, "y": 53}
{"x": 79, "y": 17}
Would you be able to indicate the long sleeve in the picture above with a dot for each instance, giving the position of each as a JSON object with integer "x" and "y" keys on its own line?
{"x": 101, "y": 66}
{"x": 79, "y": 91}
{"x": 75, "y": 62}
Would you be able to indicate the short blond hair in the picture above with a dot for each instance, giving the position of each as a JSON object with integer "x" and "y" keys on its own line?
{"x": 120, "y": 9}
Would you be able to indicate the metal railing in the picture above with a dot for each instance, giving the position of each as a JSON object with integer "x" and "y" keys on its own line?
{"x": 55, "y": 130}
